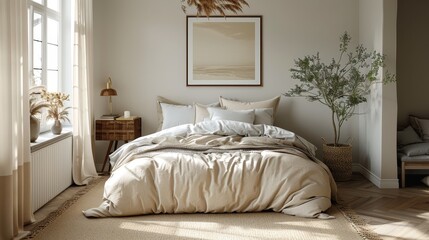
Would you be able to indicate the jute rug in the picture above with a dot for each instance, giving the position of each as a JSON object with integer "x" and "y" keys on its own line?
{"x": 68, "y": 222}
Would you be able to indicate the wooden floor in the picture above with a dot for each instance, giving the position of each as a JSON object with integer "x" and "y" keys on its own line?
{"x": 392, "y": 213}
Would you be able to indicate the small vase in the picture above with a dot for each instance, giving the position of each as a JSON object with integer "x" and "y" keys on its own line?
{"x": 57, "y": 127}
{"x": 34, "y": 128}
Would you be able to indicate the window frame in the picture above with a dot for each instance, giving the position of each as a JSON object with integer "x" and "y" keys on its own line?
{"x": 46, "y": 13}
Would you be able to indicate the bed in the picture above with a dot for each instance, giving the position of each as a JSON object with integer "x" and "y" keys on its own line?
{"x": 217, "y": 166}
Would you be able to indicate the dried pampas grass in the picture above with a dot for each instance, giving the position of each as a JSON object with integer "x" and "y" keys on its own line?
{"x": 208, "y": 7}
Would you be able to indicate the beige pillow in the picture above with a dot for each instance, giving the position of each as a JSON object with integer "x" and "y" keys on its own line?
{"x": 239, "y": 105}
{"x": 160, "y": 100}
{"x": 201, "y": 112}
{"x": 264, "y": 116}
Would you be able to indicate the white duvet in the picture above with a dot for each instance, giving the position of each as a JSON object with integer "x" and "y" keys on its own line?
{"x": 217, "y": 166}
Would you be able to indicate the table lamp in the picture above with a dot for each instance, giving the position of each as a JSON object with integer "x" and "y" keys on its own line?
{"x": 109, "y": 91}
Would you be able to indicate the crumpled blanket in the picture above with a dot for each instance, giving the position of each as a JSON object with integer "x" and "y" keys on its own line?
{"x": 217, "y": 166}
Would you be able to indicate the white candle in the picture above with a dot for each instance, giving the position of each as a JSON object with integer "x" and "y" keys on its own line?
{"x": 127, "y": 114}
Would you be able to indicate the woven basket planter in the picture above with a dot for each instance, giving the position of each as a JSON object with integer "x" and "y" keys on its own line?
{"x": 339, "y": 161}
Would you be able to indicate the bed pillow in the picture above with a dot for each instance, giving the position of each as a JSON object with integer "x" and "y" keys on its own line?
{"x": 416, "y": 149}
{"x": 160, "y": 100}
{"x": 421, "y": 126}
{"x": 264, "y": 116}
{"x": 247, "y": 116}
{"x": 201, "y": 112}
{"x": 175, "y": 115}
{"x": 239, "y": 105}
{"x": 408, "y": 136}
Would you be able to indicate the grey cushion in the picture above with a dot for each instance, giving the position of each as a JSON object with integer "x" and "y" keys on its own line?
{"x": 408, "y": 136}
{"x": 415, "y": 149}
{"x": 424, "y": 124}
{"x": 414, "y": 123}
{"x": 420, "y": 158}
{"x": 421, "y": 126}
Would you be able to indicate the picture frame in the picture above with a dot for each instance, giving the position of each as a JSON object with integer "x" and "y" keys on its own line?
{"x": 224, "y": 51}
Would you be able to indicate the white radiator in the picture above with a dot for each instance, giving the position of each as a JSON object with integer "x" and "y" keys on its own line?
{"x": 51, "y": 169}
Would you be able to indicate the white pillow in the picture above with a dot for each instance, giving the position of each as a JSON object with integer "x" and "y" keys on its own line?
{"x": 201, "y": 112}
{"x": 264, "y": 116}
{"x": 160, "y": 100}
{"x": 247, "y": 116}
{"x": 175, "y": 115}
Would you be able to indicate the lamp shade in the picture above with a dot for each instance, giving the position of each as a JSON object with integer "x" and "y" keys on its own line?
{"x": 108, "y": 92}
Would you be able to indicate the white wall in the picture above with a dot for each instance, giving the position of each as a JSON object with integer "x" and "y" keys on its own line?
{"x": 141, "y": 44}
{"x": 389, "y": 174}
{"x": 377, "y": 128}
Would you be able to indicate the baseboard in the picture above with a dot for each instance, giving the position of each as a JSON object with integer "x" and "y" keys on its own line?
{"x": 380, "y": 183}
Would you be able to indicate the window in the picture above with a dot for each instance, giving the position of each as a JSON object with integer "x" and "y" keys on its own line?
{"x": 49, "y": 56}
{"x": 45, "y": 38}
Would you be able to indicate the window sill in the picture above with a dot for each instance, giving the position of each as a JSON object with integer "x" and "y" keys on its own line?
{"x": 47, "y": 138}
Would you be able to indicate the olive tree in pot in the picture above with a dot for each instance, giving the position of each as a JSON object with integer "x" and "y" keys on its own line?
{"x": 341, "y": 84}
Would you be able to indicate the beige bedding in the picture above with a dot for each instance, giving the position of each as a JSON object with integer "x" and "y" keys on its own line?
{"x": 213, "y": 168}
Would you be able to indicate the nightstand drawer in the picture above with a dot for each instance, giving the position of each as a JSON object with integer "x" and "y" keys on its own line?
{"x": 118, "y": 129}
{"x": 124, "y": 125}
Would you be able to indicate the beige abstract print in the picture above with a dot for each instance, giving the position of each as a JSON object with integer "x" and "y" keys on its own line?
{"x": 224, "y": 50}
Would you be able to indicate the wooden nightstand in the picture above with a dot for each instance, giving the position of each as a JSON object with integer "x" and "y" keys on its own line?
{"x": 117, "y": 130}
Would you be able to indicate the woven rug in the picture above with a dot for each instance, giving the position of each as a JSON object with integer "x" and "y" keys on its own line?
{"x": 68, "y": 222}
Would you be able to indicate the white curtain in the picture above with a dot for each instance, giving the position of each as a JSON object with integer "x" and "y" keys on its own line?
{"x": 83, "y": 159}
{"x": 15, "y": 184}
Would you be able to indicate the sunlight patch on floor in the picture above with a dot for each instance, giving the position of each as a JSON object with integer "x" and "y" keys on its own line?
{"x": 190, "y": 230}
{"x": 211, "y": 230}
{"x": 405, "y": 229}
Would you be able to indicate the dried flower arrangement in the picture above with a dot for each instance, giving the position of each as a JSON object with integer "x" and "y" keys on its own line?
{"x": 55, "y": 101}
{"x": 36, "y": 102}
{"x": 208, "y": 7}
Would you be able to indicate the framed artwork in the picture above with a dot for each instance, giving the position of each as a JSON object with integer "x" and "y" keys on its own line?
{"x": 224, "y": 51}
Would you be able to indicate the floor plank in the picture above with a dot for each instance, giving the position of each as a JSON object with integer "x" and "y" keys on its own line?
{"x": 392, "y": 213}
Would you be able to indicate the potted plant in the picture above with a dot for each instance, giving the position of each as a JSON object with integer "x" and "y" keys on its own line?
{"x": 341, "y": 84}
{"x": 56, "y": 110}
{"x": 36, "y": 106}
